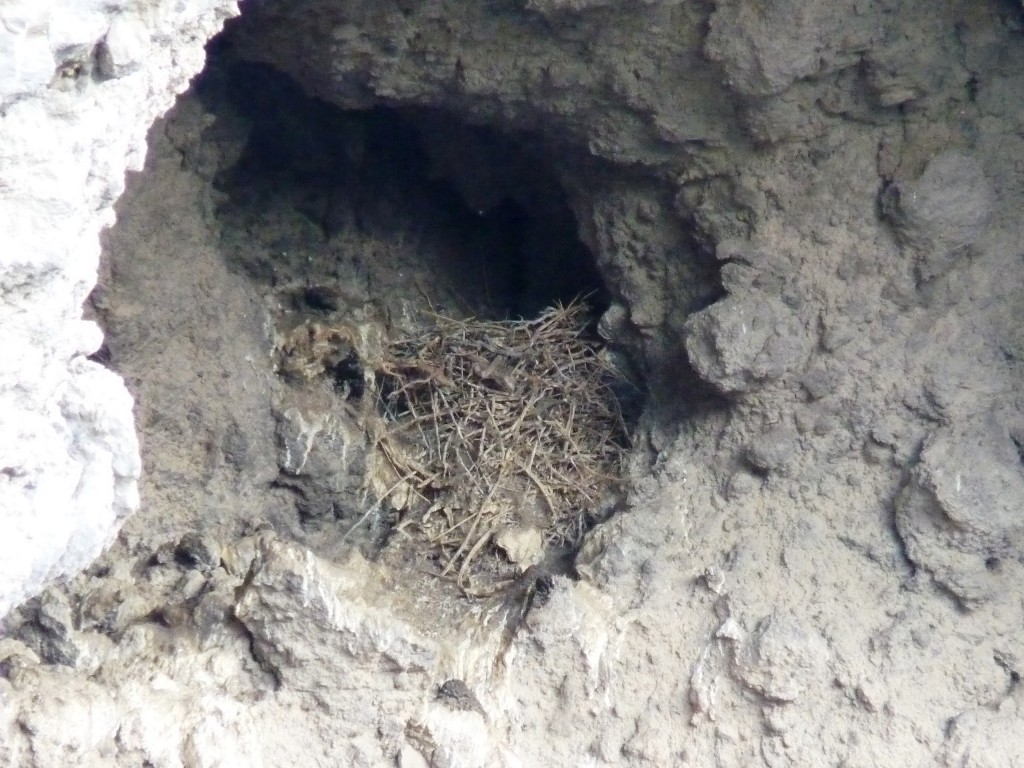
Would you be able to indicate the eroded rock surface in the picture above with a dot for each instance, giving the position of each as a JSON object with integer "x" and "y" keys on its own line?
{"x": 808, "y": 221}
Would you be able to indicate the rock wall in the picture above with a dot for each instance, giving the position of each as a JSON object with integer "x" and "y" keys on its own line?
{"x": 807, "y": 217}
{"x": 80, "y": 83}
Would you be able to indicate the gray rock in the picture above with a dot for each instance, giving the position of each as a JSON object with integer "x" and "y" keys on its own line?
{"x": 774, "y": 450}
{"x": 738, "y": 344}
{"x": 765, "y": 47}
{"x": 329, "y": 636}
{"x": 961, "y": 517}
{"x": 50, "y": 630}
{"x": 781, "y": 659}
{"x": 942, "y": 212}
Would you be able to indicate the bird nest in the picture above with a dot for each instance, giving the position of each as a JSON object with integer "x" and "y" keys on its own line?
{"x": 483, "y": 435}
{"x": 493, "y": 427}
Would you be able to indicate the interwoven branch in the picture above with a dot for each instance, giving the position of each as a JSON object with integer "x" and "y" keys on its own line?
{"x": 486, "y": 419}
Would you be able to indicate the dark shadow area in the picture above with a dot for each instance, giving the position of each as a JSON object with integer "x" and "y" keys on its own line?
{"x": 475, "y": 208}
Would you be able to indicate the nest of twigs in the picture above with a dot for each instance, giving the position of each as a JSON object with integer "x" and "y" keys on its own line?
{"x": 490, "y": 425}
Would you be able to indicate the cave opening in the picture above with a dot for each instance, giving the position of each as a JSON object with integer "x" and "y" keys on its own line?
{"x": 384, "y": 202}
{"x": 391, "y": 337}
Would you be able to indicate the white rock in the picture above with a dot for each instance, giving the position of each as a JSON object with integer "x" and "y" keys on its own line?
{"x": 26, "y": 62}
{"x": 125, "y": 47}
{"x": 523, "y": 546}
{"x": 69, "y": 458}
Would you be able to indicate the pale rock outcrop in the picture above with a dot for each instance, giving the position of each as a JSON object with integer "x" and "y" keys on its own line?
{"x": 80, "y": 83}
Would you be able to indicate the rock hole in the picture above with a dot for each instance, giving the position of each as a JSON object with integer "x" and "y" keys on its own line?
{"x": 392, "y": 202}
{"x": 395, "y": 309}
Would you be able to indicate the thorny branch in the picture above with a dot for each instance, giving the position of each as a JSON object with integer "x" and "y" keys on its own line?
{"x": 481, "y": 416}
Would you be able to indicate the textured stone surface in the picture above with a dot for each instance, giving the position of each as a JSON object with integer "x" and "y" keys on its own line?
{"x": 739, "y": 345}
{"x": 819, "y": 559}
{"x": 943, "y": 211}
{"x": 80, "y": 83}
{"x": 962, "y": 515}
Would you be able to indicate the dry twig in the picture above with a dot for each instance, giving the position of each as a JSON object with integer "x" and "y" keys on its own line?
{"x": 481, "y": 417}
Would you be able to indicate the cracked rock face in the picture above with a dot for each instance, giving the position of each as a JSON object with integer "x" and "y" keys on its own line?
{"x": 960, "y": 516}
{"x": 805, "y": 218}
